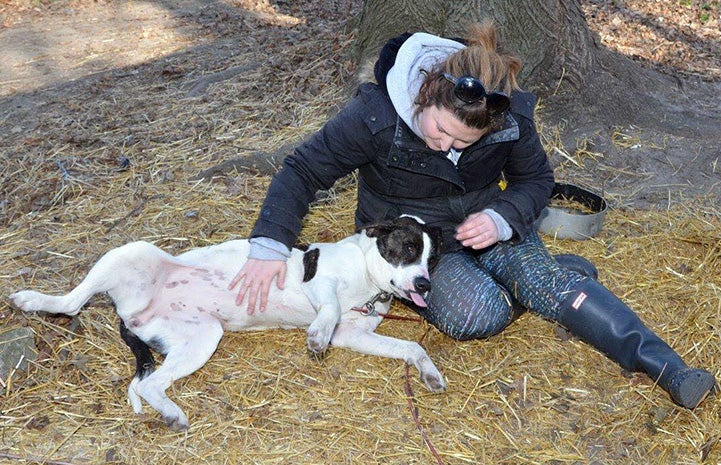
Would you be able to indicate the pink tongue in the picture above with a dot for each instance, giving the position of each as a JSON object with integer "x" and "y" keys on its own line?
{"x": 418, "y": 300}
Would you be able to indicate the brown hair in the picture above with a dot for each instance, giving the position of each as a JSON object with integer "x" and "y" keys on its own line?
{"x": 484, "y": 59}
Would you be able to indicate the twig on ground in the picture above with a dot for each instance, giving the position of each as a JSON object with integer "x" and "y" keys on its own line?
{"x": 202, "y": 84}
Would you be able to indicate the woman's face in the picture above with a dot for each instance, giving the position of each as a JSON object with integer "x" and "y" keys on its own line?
{"x": 442, "y": 130}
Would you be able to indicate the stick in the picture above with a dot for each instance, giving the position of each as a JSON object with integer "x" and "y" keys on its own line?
{"x": 202, "y": 84}
{"x": 30, "y": 458}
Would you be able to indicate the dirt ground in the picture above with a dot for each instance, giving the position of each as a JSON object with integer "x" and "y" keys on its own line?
{"x": 56, "y": 51}
{"x": 667, "y": 146}
{"x": 109, "y": 108}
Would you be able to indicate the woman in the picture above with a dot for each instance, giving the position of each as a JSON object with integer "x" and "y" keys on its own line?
{"x": 434, "y": 137}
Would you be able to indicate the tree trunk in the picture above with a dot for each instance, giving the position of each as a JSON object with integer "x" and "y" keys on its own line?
{"x": 588, "y": 90}
{"x": 551, "y": 37}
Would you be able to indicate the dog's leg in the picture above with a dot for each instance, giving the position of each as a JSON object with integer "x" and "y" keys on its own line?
{"x": 127, "y": 269}
{"x": 187, "y": 345}
{"x": 321, "y": 292}
{"x": 365, "y": 342}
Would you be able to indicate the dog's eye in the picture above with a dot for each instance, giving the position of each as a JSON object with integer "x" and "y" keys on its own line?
{"x": 411, "y": 249}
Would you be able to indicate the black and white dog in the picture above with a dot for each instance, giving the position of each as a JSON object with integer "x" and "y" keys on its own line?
{"x": 180, "y": 305}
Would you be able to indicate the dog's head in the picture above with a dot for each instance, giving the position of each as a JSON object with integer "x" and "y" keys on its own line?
{"x": 407, "y": 249}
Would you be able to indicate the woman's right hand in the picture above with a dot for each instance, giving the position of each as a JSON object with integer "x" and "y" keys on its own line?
{"x": 255, "y": 279}
{"x": 477, "y": 231}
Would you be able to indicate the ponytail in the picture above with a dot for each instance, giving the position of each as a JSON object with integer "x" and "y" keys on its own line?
{"x": 484, "y": 59}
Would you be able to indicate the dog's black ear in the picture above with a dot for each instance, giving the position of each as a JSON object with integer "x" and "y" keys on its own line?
{"x": 377, "y": 230}
{"x": 436, "y": 235}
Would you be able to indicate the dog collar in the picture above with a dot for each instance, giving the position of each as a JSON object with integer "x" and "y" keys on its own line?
{"x": 369, "y": 308}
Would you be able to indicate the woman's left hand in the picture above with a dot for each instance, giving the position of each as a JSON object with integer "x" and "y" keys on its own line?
{"x": 477, "y": 231}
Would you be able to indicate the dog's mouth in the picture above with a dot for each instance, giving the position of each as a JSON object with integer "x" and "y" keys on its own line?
{"x": 417, "y": 298}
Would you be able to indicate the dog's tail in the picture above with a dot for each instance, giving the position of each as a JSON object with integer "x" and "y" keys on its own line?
{"x": 144, "y": 364}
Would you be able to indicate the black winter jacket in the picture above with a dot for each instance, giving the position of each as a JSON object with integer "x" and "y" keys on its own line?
{"x": 399, "y": 174}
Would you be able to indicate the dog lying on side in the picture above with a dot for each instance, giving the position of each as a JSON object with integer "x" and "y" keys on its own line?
{"x": 180, "y": 305}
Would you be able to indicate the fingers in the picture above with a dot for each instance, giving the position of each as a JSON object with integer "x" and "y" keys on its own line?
{"x": 237, "y": 279}
{"x": 257, "y": 290}
{"x": 243, "y": 291}
{"x": 479, "y": 242}
{"x": 243, "y": 288}
{"x": 256, "y": 278}
{"x": 252, "y": 298}
{"x": 478, "y": 231}
{"x": 240, "y": 277}
{"x": 472, "y": 226}
{"x": 281, "y": 277}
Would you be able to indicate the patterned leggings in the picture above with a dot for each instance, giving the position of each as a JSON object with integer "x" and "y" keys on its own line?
{"x": 472, "y": 295}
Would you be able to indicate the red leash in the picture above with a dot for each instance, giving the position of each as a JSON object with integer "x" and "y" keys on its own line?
{"x": 369, "y": 309}
{"x": 414, "y": 411}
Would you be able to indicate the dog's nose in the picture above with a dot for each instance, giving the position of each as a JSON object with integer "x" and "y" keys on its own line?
{"x": 421, "y": 284}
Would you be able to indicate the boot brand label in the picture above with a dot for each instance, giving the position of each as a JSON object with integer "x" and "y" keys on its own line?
{"x": 579, "y": 300}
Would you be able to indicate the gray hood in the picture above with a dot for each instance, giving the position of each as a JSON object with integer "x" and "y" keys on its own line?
{"x": 421, "y": 51}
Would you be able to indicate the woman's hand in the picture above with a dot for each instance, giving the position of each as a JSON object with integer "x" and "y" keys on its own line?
{"x": 477, "y": 231}
{"x": 256, "y": 277}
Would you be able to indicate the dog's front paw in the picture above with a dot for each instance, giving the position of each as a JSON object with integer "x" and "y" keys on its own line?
{"x": 28, "y": 301}
{"x": 318, "y": 339}
{"x": 319, "y": 335}
{"x": 434, "y": 382}
{"x": 179, "y": 423}
{"x": 431, "y": 377}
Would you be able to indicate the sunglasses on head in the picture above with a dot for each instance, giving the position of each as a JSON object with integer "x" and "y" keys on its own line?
{"x": 470, "y": 90}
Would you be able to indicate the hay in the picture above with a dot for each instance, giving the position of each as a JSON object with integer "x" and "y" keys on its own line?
{"x": 526, "y": 396}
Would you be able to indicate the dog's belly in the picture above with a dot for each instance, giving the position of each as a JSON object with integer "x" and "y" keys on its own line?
{"x": 194, "y": 290}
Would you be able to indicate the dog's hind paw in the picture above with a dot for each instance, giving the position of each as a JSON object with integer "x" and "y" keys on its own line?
{"x": 28, "y": 301}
